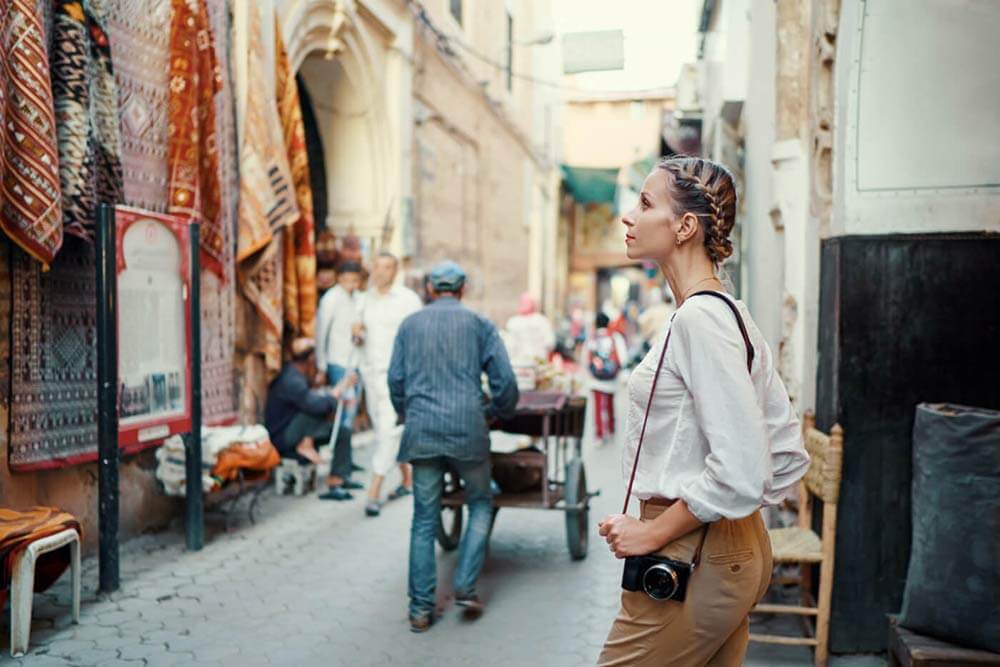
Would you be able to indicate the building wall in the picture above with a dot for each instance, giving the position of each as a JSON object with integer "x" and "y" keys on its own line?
{"x": 614, "y": 131}
{"x": 916, "y": 123}
{"x": 483, "y": 186}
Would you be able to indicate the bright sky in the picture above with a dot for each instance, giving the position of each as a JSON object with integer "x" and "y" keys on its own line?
{"x": 660, "y": 36}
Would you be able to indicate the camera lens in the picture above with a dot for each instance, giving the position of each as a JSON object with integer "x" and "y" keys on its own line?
{"x": 660, "y": 581}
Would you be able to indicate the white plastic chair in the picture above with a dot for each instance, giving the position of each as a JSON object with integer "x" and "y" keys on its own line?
{"x": 23, "y": 585}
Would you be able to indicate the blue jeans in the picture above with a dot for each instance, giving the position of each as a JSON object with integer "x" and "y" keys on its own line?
{"x": 427, "y": 488}
{"x": 343, "y": 456}
{"x": 334, "y": 374}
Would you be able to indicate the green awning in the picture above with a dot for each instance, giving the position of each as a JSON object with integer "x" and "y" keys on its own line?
{"x": 589, "y": 185}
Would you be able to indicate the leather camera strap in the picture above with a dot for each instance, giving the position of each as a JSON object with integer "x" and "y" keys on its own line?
{"x": 652, "y": 392}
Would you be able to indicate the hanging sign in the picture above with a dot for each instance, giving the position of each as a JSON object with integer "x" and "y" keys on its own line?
{"x": 154, "y": 327}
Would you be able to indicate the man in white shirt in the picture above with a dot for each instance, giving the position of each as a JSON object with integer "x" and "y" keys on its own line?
{"x": 530, "y": 332}
{"x": 385, "y": 307}
{"x": 336, "y": 355}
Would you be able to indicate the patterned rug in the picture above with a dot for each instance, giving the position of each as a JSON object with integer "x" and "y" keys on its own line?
{"x": 140, "y": 49}
{"x": 53, "y": 401}
{"x": 218, "y": 300}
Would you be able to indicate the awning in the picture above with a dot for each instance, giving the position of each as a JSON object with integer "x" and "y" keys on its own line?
{"x": 589, "y": 185}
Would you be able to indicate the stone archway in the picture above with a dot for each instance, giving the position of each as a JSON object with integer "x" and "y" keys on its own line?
{"x": 339, "y": 55}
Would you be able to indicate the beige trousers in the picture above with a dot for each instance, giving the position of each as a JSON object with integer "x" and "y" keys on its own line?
{"x": 711, "y": 627}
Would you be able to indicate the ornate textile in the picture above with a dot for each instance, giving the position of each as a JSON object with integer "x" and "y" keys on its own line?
{"x": 299, "y": 252}
{"x": 263, "y": 288}
{"x": 30, "y": 211}
{"x": 192, "y": 155}
{"x": 140, "y": 46}
{"x": 53, "y": 404}
{"x": 86, "y": 108}
{"x": 267, "y": 198}
{"x": 218, "y": 305}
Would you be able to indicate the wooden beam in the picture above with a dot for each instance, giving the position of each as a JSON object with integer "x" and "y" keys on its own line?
{"x": 785, "y": 641}
{"x": 785, "y": 609}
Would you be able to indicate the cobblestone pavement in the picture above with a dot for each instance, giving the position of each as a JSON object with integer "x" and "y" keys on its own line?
{"x": 316, "y": 583}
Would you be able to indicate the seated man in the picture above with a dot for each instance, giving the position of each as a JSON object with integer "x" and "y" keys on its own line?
{"x": 300, "y": 418}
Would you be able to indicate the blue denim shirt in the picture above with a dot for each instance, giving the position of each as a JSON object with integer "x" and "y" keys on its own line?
{"x": 438, "y": 357}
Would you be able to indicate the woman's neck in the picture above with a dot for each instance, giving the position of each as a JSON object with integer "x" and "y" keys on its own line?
{"x": 688, "y": 273}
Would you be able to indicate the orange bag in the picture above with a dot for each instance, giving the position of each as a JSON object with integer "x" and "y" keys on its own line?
{"x": 260, "y": 456}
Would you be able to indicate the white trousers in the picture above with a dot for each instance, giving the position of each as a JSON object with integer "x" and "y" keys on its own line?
{"x": 383, "y": 417}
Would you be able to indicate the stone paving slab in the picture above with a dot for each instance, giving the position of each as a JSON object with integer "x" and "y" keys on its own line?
{"x": 316, "y": 583}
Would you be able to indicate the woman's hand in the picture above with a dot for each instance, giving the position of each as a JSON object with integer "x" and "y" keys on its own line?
{"x": 627, "y": 536}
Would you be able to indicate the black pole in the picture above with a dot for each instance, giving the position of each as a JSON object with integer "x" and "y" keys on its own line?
{"x": 193, "y": 505}
{"x": 107, "y": 400}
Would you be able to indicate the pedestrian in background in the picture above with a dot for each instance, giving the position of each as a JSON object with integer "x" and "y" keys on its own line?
{"x": 383, "y": 309}
{"x": 531, "y": 334}
{"x": 603, "y": 357}
{"x": 719, "y": 438}
{"x": 437, "y": 361}
{"x": 335, "y": 357}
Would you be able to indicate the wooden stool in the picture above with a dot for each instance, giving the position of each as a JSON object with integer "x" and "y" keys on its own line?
{"x": 907, "y": 648}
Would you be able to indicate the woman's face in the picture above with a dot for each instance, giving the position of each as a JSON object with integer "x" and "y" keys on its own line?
{"x": 649, "y": 228}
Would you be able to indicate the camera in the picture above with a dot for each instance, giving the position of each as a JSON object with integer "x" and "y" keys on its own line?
{"x": 660, "y": 578}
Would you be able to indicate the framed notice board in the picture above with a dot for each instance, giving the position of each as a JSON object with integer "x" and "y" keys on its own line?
{"x": 154, "y": 327}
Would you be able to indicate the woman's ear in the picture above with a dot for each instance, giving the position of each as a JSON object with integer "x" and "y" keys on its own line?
{"x": 688, "y": 228}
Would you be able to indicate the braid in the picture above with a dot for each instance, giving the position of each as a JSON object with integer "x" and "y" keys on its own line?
{"x": 706, "y": 189}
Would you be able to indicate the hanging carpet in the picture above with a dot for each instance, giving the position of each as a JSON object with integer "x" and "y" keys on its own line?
{"x": 53, "y": 402}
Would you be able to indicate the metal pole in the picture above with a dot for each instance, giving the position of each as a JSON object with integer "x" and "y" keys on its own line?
{"x": 107, "y": 400}
{"x": 194, "y": 511}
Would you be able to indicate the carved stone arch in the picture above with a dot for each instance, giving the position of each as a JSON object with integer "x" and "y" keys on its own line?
{"x": 336, "y": 29}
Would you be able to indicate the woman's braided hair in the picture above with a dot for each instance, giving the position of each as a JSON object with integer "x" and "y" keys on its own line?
{"x": 707, "y": 190}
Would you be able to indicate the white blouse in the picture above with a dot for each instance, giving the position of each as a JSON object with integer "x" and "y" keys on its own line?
{"x": 723, "y": 440}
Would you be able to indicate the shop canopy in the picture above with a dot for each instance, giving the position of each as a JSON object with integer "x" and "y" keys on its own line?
{"x": 589, "y": 185}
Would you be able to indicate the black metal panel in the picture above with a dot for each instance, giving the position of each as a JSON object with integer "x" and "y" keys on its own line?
{"x": 903, "y": 319}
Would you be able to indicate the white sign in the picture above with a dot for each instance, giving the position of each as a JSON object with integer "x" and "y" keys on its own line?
{"x": 599, "y": 51}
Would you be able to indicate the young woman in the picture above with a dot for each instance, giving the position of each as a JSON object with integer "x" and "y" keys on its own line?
{"x": 720, "y": 440}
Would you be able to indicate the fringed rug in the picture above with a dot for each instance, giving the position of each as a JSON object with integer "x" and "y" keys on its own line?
{"x": 218, "y": 299}
{"x": 53, "y": 401}
{"x": 139, "y": 31}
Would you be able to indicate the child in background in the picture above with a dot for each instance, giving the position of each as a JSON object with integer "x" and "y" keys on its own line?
{"x": 604, "y": 356}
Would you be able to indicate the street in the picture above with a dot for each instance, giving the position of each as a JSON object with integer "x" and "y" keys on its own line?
{"x": 316, "y": 583}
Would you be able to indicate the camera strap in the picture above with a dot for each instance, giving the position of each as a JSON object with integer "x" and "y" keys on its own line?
{"x": 652, "y": 392}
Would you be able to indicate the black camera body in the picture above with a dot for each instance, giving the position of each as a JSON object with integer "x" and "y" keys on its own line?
{"x": 660, "y": 578}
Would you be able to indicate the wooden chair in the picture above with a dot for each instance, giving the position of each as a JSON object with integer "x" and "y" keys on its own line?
{"x": 800, "y": 545}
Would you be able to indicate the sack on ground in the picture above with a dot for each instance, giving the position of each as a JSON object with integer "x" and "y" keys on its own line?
{"x": 953, "y": 583}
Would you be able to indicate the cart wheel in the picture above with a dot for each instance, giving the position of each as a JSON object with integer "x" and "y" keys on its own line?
{"x": 577, "y": 520}
{"x": 449, "y": 531}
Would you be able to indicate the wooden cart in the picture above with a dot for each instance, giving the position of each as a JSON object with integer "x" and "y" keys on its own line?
{"x": 553, "y": 477}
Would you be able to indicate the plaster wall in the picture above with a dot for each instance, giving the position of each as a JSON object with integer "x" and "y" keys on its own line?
{"x": 916, "y": 126}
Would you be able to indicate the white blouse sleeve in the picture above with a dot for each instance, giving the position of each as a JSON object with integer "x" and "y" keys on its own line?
{"x": 711, "y": 358}
{"x": 789, "y": 460}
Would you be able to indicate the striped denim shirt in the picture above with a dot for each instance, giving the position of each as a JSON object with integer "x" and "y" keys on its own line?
{"x": 438, "y": 357}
